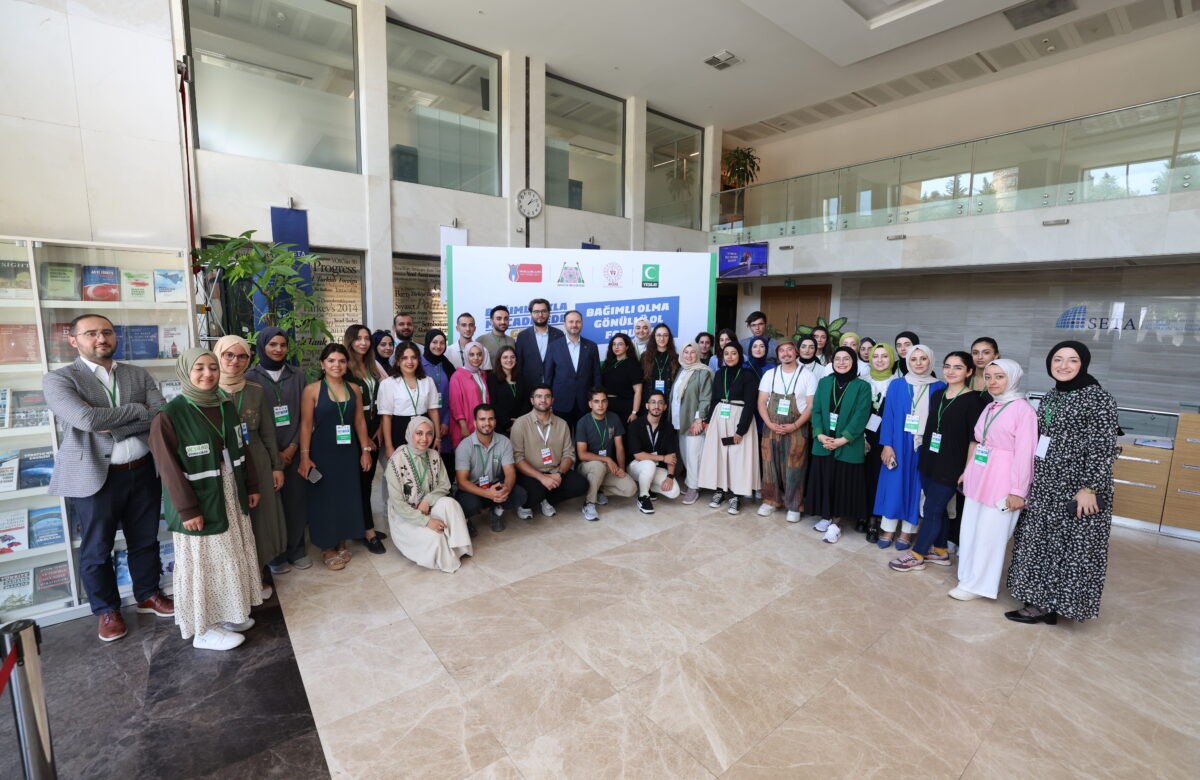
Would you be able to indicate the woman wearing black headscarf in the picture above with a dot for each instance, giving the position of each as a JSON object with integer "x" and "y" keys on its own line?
{"x": 439, "y": 368}
{"x": 1060, "y": 552}
{"x": 383, "y": 345}
{"x": 905, "y": 340}
{"x": 837, "y": 477}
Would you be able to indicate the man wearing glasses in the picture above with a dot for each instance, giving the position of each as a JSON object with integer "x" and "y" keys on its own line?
{"x": 533, "y": 343}
{"x": 103, "y": 465}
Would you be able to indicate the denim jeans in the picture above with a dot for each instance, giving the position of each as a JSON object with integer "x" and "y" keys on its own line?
{"x": 934, "y": 525}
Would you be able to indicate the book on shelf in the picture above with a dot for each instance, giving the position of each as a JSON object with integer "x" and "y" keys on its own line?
{"x": 5, "y": 403}
{"x": 169, "y": 286}
{"x": 14, "y": 535}
{"x": 101, "y": 283}
{"x": 9, "y": 462}
{"x": 58, "y": 343}
{"x": 51, "y": 581}
{"x": 18, "y": 343}
{"x": 36, "y": 466}
{"x": 60, "y": 281}
{"x": 137, "y": 286}
{"x": 15, "y": 280}
{"x": 171, "y": 389}
{"x": 16, "y": 590}
{"x": 136, "y": 342}
{"x": 172, "y": 341}
{"x": 45, "y": 527}
{"x": 29, "y": 409}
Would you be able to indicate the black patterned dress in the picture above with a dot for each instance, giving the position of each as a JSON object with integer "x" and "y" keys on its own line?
{"x": 1059, "y": 561}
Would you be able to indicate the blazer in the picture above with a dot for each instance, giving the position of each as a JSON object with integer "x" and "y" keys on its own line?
{"x": 571, "y": 384}
{"x": 853, "y": 413}
{"x": 90, "y": 424}
{"x": 529, "y": 360}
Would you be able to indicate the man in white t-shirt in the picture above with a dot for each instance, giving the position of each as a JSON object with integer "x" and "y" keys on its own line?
{"x": 785, "y": 399}
{"x": 465, "y": 325}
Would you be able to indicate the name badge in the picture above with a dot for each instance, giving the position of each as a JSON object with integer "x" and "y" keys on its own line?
{"x": 873, "y": 422}
{"x": 547, "y": 456}
{"x": 245, "y": 433}
{"x": 437, "y": 401}
{"x": 1043, "y": 446}
{"x": 281, "y": 416}
{"x": 784, "y": 407}
{"x": 342, "y": 433}
{"x": 981, "y": 456}
{"x": 602, "y": 453}
{"x": 935, "y": 442}
{"x": 197, "y": 450}
{"x": 833, "y": 418}
{"x": 725, "y": 410}
{"x": 228, "y": 461}
{"x": 484, "y": 481}
{"x": 912, "y": 423}
{"x": 660, "y": 385}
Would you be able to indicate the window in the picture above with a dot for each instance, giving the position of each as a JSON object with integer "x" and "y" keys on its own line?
{"x": 585, "y": 148}
{"x": 674, "y": 165}
{"x": 276, "y": 82}
{"x": 443, "y": 112}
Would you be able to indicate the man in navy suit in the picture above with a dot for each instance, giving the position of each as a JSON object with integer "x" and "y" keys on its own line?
{"x": 572, "y": 368}
{"x": 533, "y": 343}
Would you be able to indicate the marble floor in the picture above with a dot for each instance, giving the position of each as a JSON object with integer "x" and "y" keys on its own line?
{"x": 691, "y": 643}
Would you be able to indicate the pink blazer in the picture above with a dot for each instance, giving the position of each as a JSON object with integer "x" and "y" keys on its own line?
{"x": 464, "y": 397}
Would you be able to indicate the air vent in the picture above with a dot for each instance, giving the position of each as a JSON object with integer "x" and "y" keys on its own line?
{"x": 722, "y": 60}
{"x": 1037, "y": 11}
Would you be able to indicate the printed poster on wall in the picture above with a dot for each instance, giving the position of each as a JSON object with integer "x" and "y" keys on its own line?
{"x": 337, "y": 283}
{"x": 612, "y": 289}
{"x": 416, "y": 289}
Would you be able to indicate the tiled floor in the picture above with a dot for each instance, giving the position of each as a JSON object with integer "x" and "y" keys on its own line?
{"x": 694, "y": 644}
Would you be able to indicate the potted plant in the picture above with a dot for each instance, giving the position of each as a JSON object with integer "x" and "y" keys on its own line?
{"x": 739, "y": 168}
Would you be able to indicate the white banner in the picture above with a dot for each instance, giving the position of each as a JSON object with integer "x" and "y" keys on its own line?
{"x": 612, "y": 289}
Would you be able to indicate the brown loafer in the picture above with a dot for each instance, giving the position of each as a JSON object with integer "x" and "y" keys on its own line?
{"x": 112, "y": 626}
{"x": 158, "y": 604}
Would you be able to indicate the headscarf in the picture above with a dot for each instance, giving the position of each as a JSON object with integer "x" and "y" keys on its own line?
{"x": 264, "y": 337}
{"x": 1083, "y": 378}
{"x": 403, "y": 465}
{"x": 183, "y": 369}
{"x": 758, "y": 364}
{"x": 466, "y": 363}
{"x": 409, "y": 432}
{"x": 432, "y": 359}
{"x": 686, "y": 369}
{"x": 914, "y": 338}
{"x": 1014, "y": 372}
{"x": 377, "y": 337}
{"x": 848, "y": 334}
{"x": 920, "y": 380}
{"x": 889, "y": 372}
{"x": 231, "y": 384}
{"x": 846, "y": 378}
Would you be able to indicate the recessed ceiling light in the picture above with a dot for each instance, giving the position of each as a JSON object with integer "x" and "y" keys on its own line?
{"x": 722, "y": 60}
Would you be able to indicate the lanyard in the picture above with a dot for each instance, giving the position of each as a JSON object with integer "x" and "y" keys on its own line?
{"x": 220, "y": 431}
{"x": 662, "y": 366}
{"x": 1048, "y": 411}
{"x": 341, "y": 405}
{"x": 988, "y": 420}
{"x": 512, "y": 388}
{"x": 415, "y": 400}
{"x": 479, "y": 383}
{"x": 275, "y": 387}
{"x": 420, "y": 472}
{"x": 943, "y": 405}
{"x": 545, "y": 436}
{"x": 918, "y": 398}
{"x": 111, "y": 392}
{"x": 726, "y": 380}
{"x": 483, "y": 462}
{"x": 602, "y": 434}
{"x": 787, "y": 390}
{"x": 837, "y": 399}
{"x": 653, "y": 433}
{"x": 240, "y": 395}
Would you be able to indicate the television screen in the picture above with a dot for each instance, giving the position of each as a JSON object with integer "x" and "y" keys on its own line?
{"x": 742, "y": 260}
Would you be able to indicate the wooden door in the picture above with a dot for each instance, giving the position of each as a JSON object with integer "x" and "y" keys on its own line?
{"x": 787, "y": 307}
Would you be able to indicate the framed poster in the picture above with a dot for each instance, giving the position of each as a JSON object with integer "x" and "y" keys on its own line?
{"x": 338, "y": 284}
{"x": 416, "y": 289}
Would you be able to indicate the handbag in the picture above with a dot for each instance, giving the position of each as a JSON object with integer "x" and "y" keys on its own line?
{"x": 1073, "y": 505}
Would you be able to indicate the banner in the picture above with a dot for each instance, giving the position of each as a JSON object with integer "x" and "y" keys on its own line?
{"x": 337, "y": 283}
{"x": 416, "y": 289}
{"x": 611, "y": 289}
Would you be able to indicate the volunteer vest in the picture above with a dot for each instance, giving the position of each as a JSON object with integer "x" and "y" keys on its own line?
{"x": 199, "y": 454}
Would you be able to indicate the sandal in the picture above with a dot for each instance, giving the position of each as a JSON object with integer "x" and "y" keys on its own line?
{"x": 335, "y": 562}
{"x": 344, "y": 555}
{"x": 885, "y": 540}
{"x": 904, "y": 542}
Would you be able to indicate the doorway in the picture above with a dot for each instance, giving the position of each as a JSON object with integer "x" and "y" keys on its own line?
{"x": 727, "y": 295}
{"x": 788, "y": 307}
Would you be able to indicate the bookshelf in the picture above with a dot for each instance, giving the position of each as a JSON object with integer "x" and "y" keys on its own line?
{"x": 148, "y": 294}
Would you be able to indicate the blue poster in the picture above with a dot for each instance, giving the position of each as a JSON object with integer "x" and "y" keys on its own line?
{"x": 604, "y": 319}
{"x": 742, "y": 260}
{"x": 288, "y": 226}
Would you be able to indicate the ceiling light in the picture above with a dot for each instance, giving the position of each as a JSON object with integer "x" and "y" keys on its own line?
{"x": 722, "y": 59}
{"x": 1036, "y": 11}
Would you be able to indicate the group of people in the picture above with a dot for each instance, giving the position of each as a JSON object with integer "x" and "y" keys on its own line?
{"x": 251, "y": 458}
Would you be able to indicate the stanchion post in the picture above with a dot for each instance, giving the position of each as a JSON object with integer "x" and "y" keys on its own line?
{"x": 29, "y": 699}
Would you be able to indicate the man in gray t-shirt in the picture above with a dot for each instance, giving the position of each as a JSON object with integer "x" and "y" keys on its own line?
{"x": 485, "y": 472}
{"x": 600, "y": 444}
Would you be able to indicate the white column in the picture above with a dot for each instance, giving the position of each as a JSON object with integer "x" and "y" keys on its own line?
{"x": 376, "y": 166}
{"x": 512, "y": 143}
{"x": 536, "y": 132}
{"x": 635, "y": 171}
{"x": 712, "y": 175}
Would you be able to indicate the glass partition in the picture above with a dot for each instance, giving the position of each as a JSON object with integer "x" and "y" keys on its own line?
{"x": 1015, "y": 171}
{"x": 585, "y": 148}
{"x": 935, "y": 184}
{"x": 277, "y": 86}
{"x": 869, "y": 194}
{"x": 1121, "y": 154}
{"x": 1185, "y": 173}
{"x": 765, "y": 211}
{"x": 674, "y": 165}
{"x": 813, "y": 203}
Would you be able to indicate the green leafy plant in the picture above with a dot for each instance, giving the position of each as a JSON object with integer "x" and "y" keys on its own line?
{"x": 834, "y": 328}
{"x": 273, "y": 271}
{"x": 739, "y": 168}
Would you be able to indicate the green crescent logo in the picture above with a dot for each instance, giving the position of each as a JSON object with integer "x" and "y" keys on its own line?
{"x": 650, "y": 275}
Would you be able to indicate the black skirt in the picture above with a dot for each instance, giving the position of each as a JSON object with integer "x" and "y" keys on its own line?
{"x": 836, "y": 489}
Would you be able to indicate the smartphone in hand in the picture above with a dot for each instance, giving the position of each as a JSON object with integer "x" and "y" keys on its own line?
{"x": 314, "y": 476}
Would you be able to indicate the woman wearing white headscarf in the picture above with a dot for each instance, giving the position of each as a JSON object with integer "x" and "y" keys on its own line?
{"x": 468, "y": 389}
{"x": 691, "y": 397}
{"x": 428, "y": 526}
{"x": 898, "y": 495}
{"x": 995, "y": 481}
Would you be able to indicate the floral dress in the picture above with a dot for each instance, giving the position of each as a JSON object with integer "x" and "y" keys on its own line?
{"x": 1059, "y": 561}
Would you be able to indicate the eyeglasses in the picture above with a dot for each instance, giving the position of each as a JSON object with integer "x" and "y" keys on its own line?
{"x": 91, "y": 334}
{"x": 233, "y": 357}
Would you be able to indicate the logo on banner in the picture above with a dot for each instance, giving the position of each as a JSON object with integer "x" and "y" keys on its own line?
{"x": 525, "y": 272}
{"x": 612, "y": 275}
{"x": 570, "y": 276}
{"x": 650, "y": 275}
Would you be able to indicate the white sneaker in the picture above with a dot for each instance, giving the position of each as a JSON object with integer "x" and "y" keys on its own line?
{"x": 765, "y": 510}
{"x": 547, "y": 510}
{"x": 216, "y": 639}
{"x": 601, "y": 499}
{"x": 963, "y": 595}
{"x": 589, "y": 512}
{"x": 267, "y": 592}
{"x": 498, "y": 511}
{"x": 525, "y": 513}
{"x": 833, "y": 534}
{"x": 822, "y": 525}
{"x": 239, "y": 627}
{"x": 793, "y": 517}
{"x": 952, "y": 548}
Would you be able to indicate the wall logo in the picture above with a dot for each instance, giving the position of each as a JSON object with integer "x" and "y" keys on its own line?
{"x": 612, "y": 275}
{"x": 570, "y": 276}
{"x": 525, "y": 272}
{"x": 650, "y": 276}
{"x": 1074, "y": 318}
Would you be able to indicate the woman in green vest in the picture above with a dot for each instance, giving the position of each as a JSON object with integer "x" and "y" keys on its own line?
{"x": 209, "y": 488}
{"x": 837, "y": 476}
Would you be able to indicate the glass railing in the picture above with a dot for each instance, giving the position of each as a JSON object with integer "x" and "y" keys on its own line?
{"x": 1145, "y": 150}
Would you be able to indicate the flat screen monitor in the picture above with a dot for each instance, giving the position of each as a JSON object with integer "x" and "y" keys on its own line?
{"x": 742, "y": 260}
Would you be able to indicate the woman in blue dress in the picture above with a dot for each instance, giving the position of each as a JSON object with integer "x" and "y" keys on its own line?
{"x": 898, "y": 497}
{"x": 439, "y": 368}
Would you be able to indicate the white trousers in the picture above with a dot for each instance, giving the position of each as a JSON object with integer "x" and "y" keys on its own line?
{"x": 888, "y": 525}
{"x": 981, "y": 544}
{"x": 650, "y": 475}
{"x": 690, "y": 450}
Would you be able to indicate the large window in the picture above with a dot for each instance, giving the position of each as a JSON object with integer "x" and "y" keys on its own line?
{"x": 276, "y": 80}
{"x": 585, "y": 148}
{"x": 674, "y": 171}
{"x": 443, "y": 112}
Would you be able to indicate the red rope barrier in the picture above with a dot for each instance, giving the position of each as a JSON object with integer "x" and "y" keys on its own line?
{"x": 6, "y": 670}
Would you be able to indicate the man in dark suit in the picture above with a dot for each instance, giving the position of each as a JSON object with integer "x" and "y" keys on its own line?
{"x": 572, "y": 368}
{"x": 533, "y": 343}
{"x": 103, "y": 466}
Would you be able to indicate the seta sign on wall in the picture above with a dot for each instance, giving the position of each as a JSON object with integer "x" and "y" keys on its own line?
{"x": 1119, "y": 319}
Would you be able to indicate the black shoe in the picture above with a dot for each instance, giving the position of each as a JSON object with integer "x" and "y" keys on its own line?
{"x": 860, "y": 527}
{"x": 498, "y": 523}
{"x": 718, "y": 498}
{"x": 471, "y": 529}
{"x": 375, "y": 544}
{"x": 1049, "y": 618}
{"x": 644, "y": 505}
{"x": 380, "y": 535}
{"x": 872, "y": 531}
{"x": 653, "y": 497}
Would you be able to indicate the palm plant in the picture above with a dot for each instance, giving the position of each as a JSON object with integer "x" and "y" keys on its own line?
{"x": 834, "y": 328}
{"x": 739, "y": 168}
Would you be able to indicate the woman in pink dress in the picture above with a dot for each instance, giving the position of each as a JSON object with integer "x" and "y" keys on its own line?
{"x": 995, "y": 481}
{"x": 468, "y": 389}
